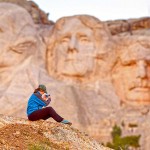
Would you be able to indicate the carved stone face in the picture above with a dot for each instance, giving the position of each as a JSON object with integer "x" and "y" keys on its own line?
{"x": 75, "y": 51}
{"x": 76, "y": 46}
{"x": 131, "y": 76}
{"x": 17, "y": 35}
{"x": 17, "y": 38}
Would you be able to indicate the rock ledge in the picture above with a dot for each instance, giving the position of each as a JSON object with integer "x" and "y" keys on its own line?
{"x": 17, "y": 133}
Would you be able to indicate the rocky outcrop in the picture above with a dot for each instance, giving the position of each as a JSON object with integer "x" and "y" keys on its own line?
{"x": 129, "y": 26}
{"x": 38, "y": 15}
{"x": 16, "y": 133}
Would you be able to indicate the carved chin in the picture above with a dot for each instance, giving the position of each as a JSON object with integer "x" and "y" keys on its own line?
{"x": 74, "y": 72}
{"x": 75, "y": 69}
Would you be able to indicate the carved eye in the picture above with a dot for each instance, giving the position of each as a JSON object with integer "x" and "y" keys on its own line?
{"x": 16, "y": 50}
{"x": 65, "y": 39}
{"x": 21, "y": 47}
{"x": 25, "y": 45}
{"x": 128, "y": 62}
{"x": 83, "y": 38}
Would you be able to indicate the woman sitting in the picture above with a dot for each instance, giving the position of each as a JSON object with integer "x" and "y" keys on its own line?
{"x": 37, "y": 101}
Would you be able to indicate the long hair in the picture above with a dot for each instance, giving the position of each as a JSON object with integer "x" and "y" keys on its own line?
{"x": 36, "y": 90}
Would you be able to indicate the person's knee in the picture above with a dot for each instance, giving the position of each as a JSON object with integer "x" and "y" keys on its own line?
{"x": 50, "y": 108}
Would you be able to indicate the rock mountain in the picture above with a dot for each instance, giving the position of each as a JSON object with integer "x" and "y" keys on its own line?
{"x": 98, "y": 73}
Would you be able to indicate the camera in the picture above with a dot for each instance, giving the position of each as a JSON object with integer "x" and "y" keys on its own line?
{"x": 47, "y": 95}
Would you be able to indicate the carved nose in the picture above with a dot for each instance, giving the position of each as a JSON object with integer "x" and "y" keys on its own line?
{"x": 142, "y": 69}
{"x": 72, "y": 45}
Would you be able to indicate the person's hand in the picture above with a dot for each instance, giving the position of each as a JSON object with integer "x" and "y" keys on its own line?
{"x": 44, "y": 97}
{"x": 48, "y": 96}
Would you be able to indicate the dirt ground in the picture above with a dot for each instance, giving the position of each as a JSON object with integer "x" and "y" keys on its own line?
{"x": 23, "y": 136}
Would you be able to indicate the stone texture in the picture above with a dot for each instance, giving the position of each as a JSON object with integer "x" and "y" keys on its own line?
{"x": 20, "y": 48}
{"x": 43, "y": 135}
{"x": 130, "y": 26}
{"x": 83, "y": 91}
{"x": 131, "y": 72}
{"x": 76, "y": 46}
{"x": 38, "y": 16}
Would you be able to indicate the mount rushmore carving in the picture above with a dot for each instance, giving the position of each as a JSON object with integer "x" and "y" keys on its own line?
{"x": 93, "y": 74}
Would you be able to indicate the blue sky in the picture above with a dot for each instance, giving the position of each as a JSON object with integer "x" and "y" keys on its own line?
{"x": 102, "y": 9}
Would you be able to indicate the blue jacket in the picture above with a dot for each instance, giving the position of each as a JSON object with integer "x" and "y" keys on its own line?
{"x": 35, "y": 102}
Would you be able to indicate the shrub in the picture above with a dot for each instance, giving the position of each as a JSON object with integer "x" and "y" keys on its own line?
{"x": 122, "y": 143}
{"x": 37, "y": 147}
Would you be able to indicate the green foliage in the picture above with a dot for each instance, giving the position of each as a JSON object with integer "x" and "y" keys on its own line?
{"x": 122, "y": 143}
{"x": 45, "y": 144}
{"x": 132, "y": 140}
{"x": 116, "y": 131}
{"x": 37, "y": 147}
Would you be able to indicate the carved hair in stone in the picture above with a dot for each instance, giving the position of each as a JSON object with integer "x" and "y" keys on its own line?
{"x": 131, "y": 73}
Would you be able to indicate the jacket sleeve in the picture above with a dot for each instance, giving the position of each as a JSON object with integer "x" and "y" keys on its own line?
{"x": 48, "y": 101}
{"x": 39, "y": 100}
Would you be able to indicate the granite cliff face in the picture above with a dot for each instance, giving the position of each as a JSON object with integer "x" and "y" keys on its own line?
{"x": 98, "y": 73}
{"x": 130, "y": 26}
{"x": 38, "y": 16}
